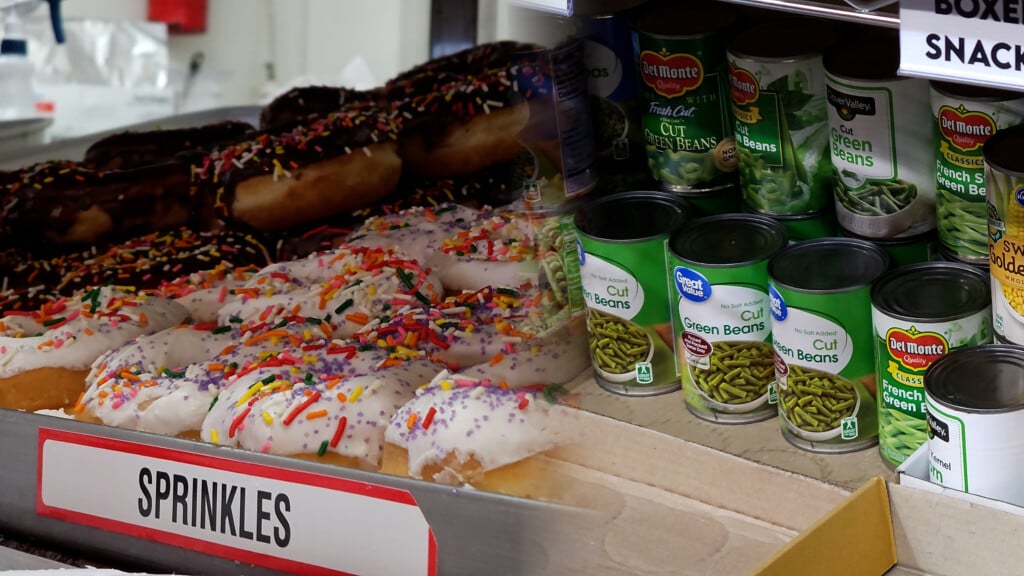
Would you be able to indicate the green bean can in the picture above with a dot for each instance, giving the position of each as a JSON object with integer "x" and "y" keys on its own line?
{"x": 921, "y": 313}
{"x": 780, "y": 123}
{"x": 880, "y": 140}
{"x": 621, "y": 247}
{"x": 722, "y": 327}
{"x": 963, "y": 119}
{"x": 906, "y": 250}
{"x": 680, "y": 53}
{"x": 820, "y": 297}
{"x": 800, "y": 227}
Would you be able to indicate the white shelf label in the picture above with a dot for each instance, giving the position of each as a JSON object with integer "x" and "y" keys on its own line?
{"x": 967, "y": 41}
{"x": 561, "y": 7}
{"x": 282, "y": 519}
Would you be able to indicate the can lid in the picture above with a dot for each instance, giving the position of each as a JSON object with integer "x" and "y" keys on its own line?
{"x": 728, "y": 240}
{"x": 788, "y": 38}
{"x": 828, "y": 265}
{"x": 1002, "y": 150}
{"x": 684, "y": 19}
{"x": 972, "y": 92}
{"x": 874, "y": 55}
{"x": 632, "y": 216}
{"x": 926, "y": 237}
{"x": 932, "y": 291}
{"x": 987, "y": 378}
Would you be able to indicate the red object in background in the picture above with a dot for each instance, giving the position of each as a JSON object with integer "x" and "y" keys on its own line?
{"x": 181, "y": 16}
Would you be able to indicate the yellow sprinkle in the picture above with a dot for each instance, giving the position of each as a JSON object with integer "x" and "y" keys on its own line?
{"x": 309, "y": 359}
{"x": 307, "y": 335}
{"x": 249, "y": 394}
{"x": 372, "y": 290}
{"x": 446, "y": 385}
{"x": 267, "y": 417}
{"x": 214, "y": 437}
{"x": 355, "y": 394}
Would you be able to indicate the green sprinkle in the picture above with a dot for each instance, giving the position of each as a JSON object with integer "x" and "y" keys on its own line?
{"x": 312, "y": 320}
{"x": 53, "y": 321}
{"x": 235, "y": 320}
{"x": 405, "y": 277}
{"x": 173, "y": 374}
{"x": 508, "y": 292}
{"x": 344, "y": 306}
{"x": 268, "y": 380}
{"x": 214, "y": 403}
{"x": 323, "y": 448}
{"x": 221, "y": 329}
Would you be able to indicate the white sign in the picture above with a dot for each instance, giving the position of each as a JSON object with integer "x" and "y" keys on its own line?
{"x": 967, "y": 41}
{"x": 562, "y": 7}
{"x": 286, "y": 520}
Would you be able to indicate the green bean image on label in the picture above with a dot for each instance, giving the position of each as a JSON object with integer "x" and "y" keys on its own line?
{"x": 920, "y": 313}
{"x": 963, "y": 119}
{"x": 819, "y": 295}
{"x": 621, "y": 248}
{"x": 723, "y": 332}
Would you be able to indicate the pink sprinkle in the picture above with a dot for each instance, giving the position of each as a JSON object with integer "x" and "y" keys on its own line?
{"x": 265, "y": 447}
{"x": 176, "y": 267}
{"x": 134, "y": 392}
{"x": 74, "y": 314}
{"x": 464, "y": 383}
{"x": 116, "y": 403}
{"x": 223, "y": 294}
{"x": 3, "y": 349}
{"x": 320, "y": 262}
{"x": 509, "y": 348}
{"x": 147, "y": 277}
{"x": 58, "y": 343}
{"x": 485, "y": 382}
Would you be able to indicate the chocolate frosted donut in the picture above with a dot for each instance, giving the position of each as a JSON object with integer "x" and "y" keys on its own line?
{"x": 134, "y": 149}
{"x": 65, "y": 203}
{"x": 332, "y": 165}
{"x": 307, "y": 103}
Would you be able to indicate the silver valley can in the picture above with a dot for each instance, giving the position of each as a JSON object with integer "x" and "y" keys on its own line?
{"x": 975, "y": 400}
{"x": 622, "y": 268}
{"x": 920, "y": 313}
{"x": 820, "y": 295}
{"x": 719, "y": 268}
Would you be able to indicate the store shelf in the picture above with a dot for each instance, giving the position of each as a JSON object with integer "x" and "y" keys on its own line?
{"x": 884, "y": 17}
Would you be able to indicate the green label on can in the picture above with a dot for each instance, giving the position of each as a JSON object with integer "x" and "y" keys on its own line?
{"x": 904, "y": 350}
{"x": 781, "y": 129}
{"x": 685, "y": 120}
{"x": 626, "y": 297}
{"x": 723, "y": 340}
{"x": 824, "y": 368}
{"x": 961, "y": 129}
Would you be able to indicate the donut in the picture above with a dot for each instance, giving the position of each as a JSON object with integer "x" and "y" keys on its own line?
{"x": 331, "y": 165}
{"x": 345, "y": 288}
{"x": 473, "y": 61}
{"x": 332, "y": 414}
{"x": 63, "y": 203}
{"x": 46, "y": 354}
{"x": 306, "y": 103}
{"x": 466, "y": 432}
{"x": 132, "y": 149}
{"x": 165, "y": 383}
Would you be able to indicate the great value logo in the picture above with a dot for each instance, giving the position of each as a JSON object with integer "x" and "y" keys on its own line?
{"x": 670, "y": 75}
{"x": 692, "y": 285}
{"x": 965, "y": 130}
{"x": 778, "y": 306}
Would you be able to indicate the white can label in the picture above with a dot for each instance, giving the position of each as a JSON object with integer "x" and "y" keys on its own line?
{"x": 610, "y": 289}
{"x": 947, "y": 449}
{"x": 861, "y": 133}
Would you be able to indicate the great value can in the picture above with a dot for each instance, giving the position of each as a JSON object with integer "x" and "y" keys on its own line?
{"x": 719, "y": 268}
{"x": 777, "y": 88}
{"x": 820, "y": 297}
{"x": 975, "y": 403}
{"x": 680, "y": 54}
{"x": 880, "y": 140}
{"x": 963, "y": 118}
{"x": 623, "y": 271}
{"x": 1004, "y": 183}
{"x": 920, "y": 313}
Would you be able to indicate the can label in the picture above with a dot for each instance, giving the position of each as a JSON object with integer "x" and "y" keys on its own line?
{"x": 781, "y": 128}
{"x": 686, "y": 127}
{"x": 947, "y": 448}
{"x": 824, "y": 368}
{"x": 1006, "y": 252}
{"x": 961, "y": 129}
{"x": 880, "y": 147}
{"x": 628, "y": 322}
{"x": 904, "y": 350}
{"x": 723, "y": 339}
{"x": 554, "y": 85}
{"x": 608, "y": 57}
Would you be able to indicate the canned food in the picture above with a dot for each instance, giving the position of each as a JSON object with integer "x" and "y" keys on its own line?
{"x": 881, "y": 140}
{"x": 711, "y": 202}
{"x": 680, "y": 53}
{"x": 558, "y": 135}
{"x": 779, "y": 115}
{"x": 964, "y": 119}
{"x": 623, "y": 271}
{"x": 614, "y": 97}
{"x": 975, "y": 403}
{"x": 722, "y": 329}
{"x": 920, "y": 313}
{"x": 800, "y": 227}
{"x": 1004, "y": 182}
{"x": 557, "y": 259}
{"x": 820, "y": 296}
{"x": 905, "y": 250}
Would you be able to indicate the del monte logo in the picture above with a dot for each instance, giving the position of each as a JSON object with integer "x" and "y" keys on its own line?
{"x": 670, "y": 75}
{"x": 915, "y": 350}
{"x": 966, "y": 130}
{"x": 742, "y": 85}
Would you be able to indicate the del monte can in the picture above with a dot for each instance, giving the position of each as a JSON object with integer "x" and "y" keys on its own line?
{"x": 820, "y": 297}
{"x": 680, "y": 51}
{"x": 719, "y": 269}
